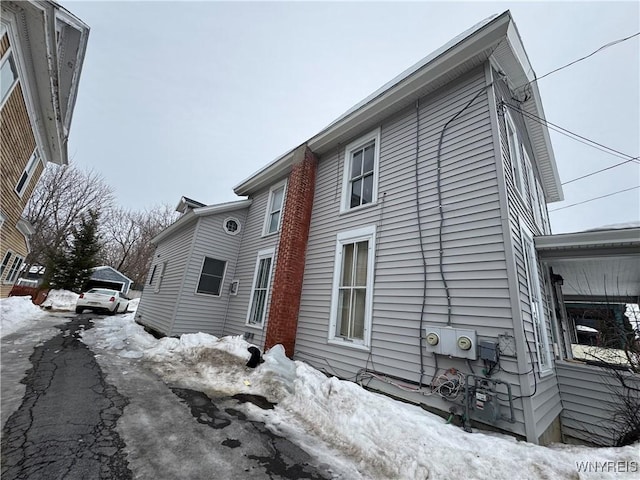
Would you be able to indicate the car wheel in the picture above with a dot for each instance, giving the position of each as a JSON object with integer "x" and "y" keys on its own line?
{"x": 115, "y": 310}
{"x": 79, "y": 310}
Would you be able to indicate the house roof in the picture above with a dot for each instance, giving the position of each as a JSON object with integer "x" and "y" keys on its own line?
{"x": 495, "y": 38}
{"x": 600, "y": 265}
{"x": 51, "y": 44}
{"x": 186, "y": 203}
{"x": 193, "y": 214}
{"x": 106, "y": 272}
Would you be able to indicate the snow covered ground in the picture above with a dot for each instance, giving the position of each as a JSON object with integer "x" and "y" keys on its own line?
{"x": 364, "y": 434}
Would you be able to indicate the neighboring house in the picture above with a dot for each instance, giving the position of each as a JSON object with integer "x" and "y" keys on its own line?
{"x": 395, "y": 247}
{"x": 109, "y": 277}
{"x": 42, "y": 48}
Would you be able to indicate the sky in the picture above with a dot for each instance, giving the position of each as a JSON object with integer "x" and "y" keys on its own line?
{"x": 191, "y": 98}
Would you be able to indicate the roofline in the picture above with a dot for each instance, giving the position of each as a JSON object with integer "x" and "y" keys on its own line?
{"x": 623, "y": 237}
{"x": 193, "y": 214}
{"x": 102, "y": 267}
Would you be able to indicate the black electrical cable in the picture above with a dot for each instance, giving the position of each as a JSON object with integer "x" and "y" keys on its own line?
{"x": 595, "y": 198}
{"x": 597, "y": 171}
{"x": 603, "y": 47}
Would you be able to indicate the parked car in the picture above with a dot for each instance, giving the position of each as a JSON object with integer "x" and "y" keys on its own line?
{"x": 102, "y": 299}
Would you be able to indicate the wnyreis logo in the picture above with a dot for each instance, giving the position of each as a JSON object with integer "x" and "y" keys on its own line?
{"x": 607, "y": 467}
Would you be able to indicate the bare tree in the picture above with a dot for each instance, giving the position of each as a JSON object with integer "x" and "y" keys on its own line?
{"x": 61, "y": 198}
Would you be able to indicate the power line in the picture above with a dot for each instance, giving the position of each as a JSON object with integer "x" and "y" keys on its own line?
{"x": 573, "y": 135}
{"x": 597, "y": 171}
{"x": 603, "y": 47}
{"x": 595, "y": 198}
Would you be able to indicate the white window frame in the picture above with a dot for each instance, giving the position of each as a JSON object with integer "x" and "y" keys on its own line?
{"x": 515, "y": 150}
{"x": 345, "y": 203}
{"x": 14, "y": 269}
{"x": 3, "y": 217}
{"x": 262, "y": 254}
{"x": 27, "y": 173}
{"x": 536, "y": 304}
{"x": 224, "y": 274}
{"x": 9, "y": 56}
{"x": 5, "y": 262}
{"x": 546, "y": 227}
{"x": 344, "y": 238}
{"x": 270, "y": 212}
{"x": 234, "y": 219}
{"x": 534, "y": 202}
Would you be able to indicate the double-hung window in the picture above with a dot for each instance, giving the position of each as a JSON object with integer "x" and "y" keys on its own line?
{"x": 8, "y": 76}
{"x": 14, "y": 269}
{"x": 211, "y": 276}
{"x": 360, "y": 178}
{"x": 27, "y": 173}
{"x": 5, "y": 262}
{"x": 352, "y": 298}
{"x": 260, "y": 288}
{"x": 533, "y": 191}
{"x": 274, "y": 208}
{"x": 535, "y": 301}
{"x": 515, "y": 155}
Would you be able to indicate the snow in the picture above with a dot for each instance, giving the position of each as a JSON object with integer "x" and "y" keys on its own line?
{"x": 385, "y": 438}
{"x": 17, "y": 312}
{"x": 60, "y": 300}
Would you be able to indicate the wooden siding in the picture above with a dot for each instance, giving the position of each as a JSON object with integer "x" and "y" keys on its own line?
{"x": 474, "y": 257}
{"x": 17, "y": 143}
{"x": 546, "y": 401}
{"x": 157, "y": 309}
{"x": 588, "y": 399}
{"x": 198, "y": 312}
{"x": 252, "y": 243}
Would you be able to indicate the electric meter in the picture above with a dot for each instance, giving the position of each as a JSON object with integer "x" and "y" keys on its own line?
{"x": 464, "y": 343}
{"x": 433, "y": 339}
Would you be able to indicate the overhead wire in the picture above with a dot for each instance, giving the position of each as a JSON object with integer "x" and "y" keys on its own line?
{"x": 595, "y": 198}
{"x": 596, "y": 172}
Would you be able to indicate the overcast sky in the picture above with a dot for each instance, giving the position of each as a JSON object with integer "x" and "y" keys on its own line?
{"x": 190, "y": 98}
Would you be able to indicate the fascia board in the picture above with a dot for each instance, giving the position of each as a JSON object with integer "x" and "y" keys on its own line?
{"x": 222, "y": 208}
{"x": 376, "y": 105}
{"x": 623, "y": 236}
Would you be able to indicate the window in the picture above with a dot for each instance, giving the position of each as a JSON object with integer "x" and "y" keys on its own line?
{"x": 3, "y": 217}
{"x": 274, "y": 208}
{"x": 153, "y": 274}
{"x": 546, "y": 228}
{"x": 211, "y": 276}
{"x": 535, "y": 301}
{"x": 8, "y": 76}
{"x": 27, "y": 173}
{"x": 160, "y": 276}
{"x": 231, "y": 226}
{"x": 515, "y": 149}
{"x": 260, "y": 289}
{"x": 352, "y": 298}
{"x": 14, "y": 269}
{"x": 360, "y": 178}
{"x": 533, "y": 192}
{"x": 5, "y": 262}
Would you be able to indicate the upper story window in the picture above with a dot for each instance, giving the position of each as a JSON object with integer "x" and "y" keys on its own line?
{"x": 27, "y": 173}
{"x": 274, "y": 208}
{"x": 5, "y": 262}
{"x": 231, "y": 226}
{"x": 515, "y": 153}
{"x": 360, "y": 178}
{"x": 352, "y": 297}
{"x": 8, "y": 76}
{"x": 13, "y": 269}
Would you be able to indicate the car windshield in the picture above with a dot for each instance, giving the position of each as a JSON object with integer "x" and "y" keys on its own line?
{"x": 103, "y": 291}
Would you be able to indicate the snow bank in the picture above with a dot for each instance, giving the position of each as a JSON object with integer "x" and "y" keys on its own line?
{"x": 17, "y": 312}
{"x": 387, "y": 438}
{"x": 60, "y": 300}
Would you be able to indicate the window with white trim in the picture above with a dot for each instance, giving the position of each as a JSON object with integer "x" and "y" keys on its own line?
{"x": 352, "y": 296}
{"x": 534, "y": 201}
{"x": 231, "y": 225}
{"x": 153, "y": 274}
{"x": 515, "y": 155}
{"x": 211, "y": 276}
{"x": 535, "y": 300}
{"x": 3, "y": 217}
{"x": 546, "y": 227}
{"x": 5, "y": 262}
{"x": 274, "y": 208}
{"x": 8, "y": 76}
{"x": 27, "y": 173}
{"x": 360, "y": 177}
{"x": 14, "y": 269}
{"x": 260, "y": 288}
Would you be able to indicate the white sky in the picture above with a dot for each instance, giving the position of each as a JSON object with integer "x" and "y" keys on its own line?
{"x": 190, "y": 98}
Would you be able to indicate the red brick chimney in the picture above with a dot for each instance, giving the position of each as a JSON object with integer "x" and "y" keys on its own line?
{"x": 294, "y": 234}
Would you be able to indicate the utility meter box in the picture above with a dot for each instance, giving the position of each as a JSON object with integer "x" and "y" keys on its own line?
{"x": 455, "y": 342}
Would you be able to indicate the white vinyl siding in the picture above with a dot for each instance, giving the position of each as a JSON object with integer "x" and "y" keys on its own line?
{"x": 352, "y": 297}
{"x": 260, "y": 288}
{"x": 515, "y": 153}
{"x": 360, "y": 172}
{"x": 275, "y": 206}
{"x": 160, "y": 276}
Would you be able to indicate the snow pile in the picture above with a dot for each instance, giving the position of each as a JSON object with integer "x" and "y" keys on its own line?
{"x": 60, "y": 300}
{"x": 133, "y": 305}
{"x": 17, "y": 312}
{"x": 387, "y": 438}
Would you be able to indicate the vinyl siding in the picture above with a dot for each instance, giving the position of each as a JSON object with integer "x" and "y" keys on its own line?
{"x": 252, "y": 243}
{"x": 197, "y": 312}
{"x": 546, "y": 402}
{"x": 474, "y": 258}
{"x": 589, "y": 403}
{"x": 156, "y": 309}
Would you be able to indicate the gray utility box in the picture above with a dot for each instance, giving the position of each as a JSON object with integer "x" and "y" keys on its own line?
{"x": 455, "y": 342}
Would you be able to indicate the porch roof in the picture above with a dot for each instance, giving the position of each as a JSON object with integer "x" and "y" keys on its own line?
{"x": 598, "y": 265}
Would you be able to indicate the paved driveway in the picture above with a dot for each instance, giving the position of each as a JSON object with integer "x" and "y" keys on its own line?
{"x": 78, "y": 421}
